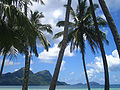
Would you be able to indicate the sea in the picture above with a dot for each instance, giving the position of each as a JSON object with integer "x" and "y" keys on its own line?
{"x": 46, "y": 88}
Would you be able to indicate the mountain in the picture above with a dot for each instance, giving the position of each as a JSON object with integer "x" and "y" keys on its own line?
{"x": 79, "y": 84}
{"x": 91, "y": 84}
{"x": 39, "y": 78}
{"x": 95, "y": 85}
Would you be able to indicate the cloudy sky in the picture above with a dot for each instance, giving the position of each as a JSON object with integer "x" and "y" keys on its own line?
{"x": 72, "y": 68}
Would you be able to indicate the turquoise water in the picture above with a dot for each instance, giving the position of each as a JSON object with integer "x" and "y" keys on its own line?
{"x": 46, "y": 88}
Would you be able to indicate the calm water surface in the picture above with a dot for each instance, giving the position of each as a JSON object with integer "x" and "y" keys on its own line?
{"x": 46, "y": 88}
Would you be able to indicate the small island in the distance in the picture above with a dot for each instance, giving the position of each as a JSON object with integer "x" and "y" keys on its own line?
{"x": 41, "y": 78}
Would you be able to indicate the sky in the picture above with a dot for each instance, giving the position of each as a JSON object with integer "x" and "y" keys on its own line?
{"x": 71, "y": 71}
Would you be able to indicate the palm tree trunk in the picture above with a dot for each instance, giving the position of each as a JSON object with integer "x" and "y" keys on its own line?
{"x": 101, "y": 48}
{"x": 3, "y": 62}
{"x": 111, "y": 24}
{"x": 57, "y": 69}
{"x": 27, "y": 61}
{"x": 61, "y": 53}
{"x": 83, "y": 58}
{"x": 27, "y": 69}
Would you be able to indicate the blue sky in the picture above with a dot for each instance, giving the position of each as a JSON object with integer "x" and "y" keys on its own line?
{"x": 72, "y": 68}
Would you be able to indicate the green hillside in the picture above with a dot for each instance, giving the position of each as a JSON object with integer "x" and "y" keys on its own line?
{"x": 39, "y": 78}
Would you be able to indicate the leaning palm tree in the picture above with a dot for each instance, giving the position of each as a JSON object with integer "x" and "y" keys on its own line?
{"x": 101, "y": 47}
{"x": 61, "y": 52}
{"x": 81, "y": 28}
{"x": 111, "y": 24}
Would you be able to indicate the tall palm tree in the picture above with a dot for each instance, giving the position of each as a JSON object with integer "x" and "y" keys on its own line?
{"x": 14, "y": 28}
{"x": 61, "y": 52}
{"x": 35, "y": 20}
{"x": 111, "y": 24}
{"x": 27, "y": 52}
{"x": 13, "y": 24}
{"x": 101, "y": 47}
{"x": 82, "y": 27}
{"x": 5, "y": 44}
{"x": 27, "y": 56}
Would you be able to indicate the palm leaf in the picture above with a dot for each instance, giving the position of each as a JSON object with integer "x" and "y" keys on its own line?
{"x": 43, "y": 40}
{"x": 41, "y": 1}
{"x": 46, "y": 27}
{"x": 58, "y": 35}
{"x": 62, "y": 23}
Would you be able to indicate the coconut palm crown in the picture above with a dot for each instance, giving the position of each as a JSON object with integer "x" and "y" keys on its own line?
{"x": 82, "y": 28}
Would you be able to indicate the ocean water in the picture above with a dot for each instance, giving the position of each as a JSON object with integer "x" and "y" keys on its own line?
{"x": 46, "y": 88}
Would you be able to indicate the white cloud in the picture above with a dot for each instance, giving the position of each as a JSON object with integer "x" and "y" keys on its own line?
{"x": 57, "y": 13}
{"x": 62, "y": 68}
{"x": 46, "y": 57}
{"x": 72, "y": 73}
{"x": 9, "y": 63}
{"x": 90, "y": 73}
{"x": 30, "y": 69}
{"x": 16, "y": 70}
{"x": 97, "y": 66}
{"x": 71, "y": 81}
{"x": 47, "y": 61}
{"x": 31, "y": 62}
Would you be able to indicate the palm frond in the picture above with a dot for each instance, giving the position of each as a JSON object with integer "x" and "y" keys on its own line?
{"x": 59, "y": 34}
{"x": 13, "y": 52}
{"x": 41, "y": 1}
{"x": 62, "y": 23}
{"x": 43, "y": 40}
{"x": 46, "y": 27}
{"x": 101, "y": 22}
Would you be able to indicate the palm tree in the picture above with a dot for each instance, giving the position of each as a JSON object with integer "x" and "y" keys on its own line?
{"x": 101, "y": 47}
{"x": 27, "y": 52}
{"x": 82, "y": 27}
{"x": 61, "y": 52}
{"x": 12, "y": 28}
{"x": 35, "y": 20}
{"x": 4, "y": 43}
{"x": 111, "y": 24}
